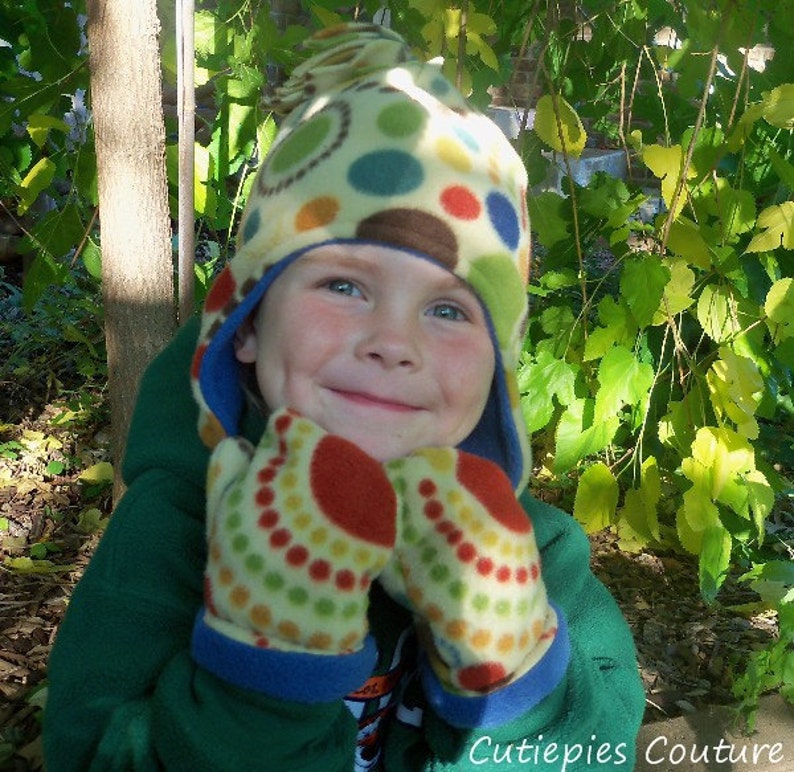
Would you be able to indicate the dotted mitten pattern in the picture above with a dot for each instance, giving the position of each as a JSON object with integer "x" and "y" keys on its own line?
{"x": 297, "y": 529}
{"x": 467, "y": 564}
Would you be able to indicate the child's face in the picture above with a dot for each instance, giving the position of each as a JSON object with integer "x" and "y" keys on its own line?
{"x": 383, "y": 348}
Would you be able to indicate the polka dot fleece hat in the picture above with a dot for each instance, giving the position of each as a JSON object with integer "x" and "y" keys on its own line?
{"x": 378, "y": 147}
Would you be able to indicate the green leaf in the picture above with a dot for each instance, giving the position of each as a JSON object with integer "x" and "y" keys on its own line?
{"x": 39, "y": 126}
{"x": 778, "y": 106}
{"x": 776, "y": 224}
{"x": 639, "y": 510}
{"x": 55, "y": 467}
{"x": 570, "y": 136}
{"x": 38, "y": 179}
{"x": 596, "y": 498}
{"x": 642, "y": 284}
{"x": 686, "y": 240}
{"x": 666, "y": 163}
{"x": 101, "y": 472}
{"x": 578, "y": 437}
{"x": 714, "y": 312}
{"x": 779, "y": 309}
{"x": 624, "y": 380}
{"x": 715, "y": 556}
{"x": 539, "y": 382}
{"x": 677, "y": 296}
{"x": 548, "y": 213}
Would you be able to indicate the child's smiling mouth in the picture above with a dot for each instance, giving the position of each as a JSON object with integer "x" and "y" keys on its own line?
{"x": 367, "y": 399}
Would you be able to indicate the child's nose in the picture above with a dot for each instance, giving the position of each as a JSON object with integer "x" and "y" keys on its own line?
{"x": 393, "y": 340}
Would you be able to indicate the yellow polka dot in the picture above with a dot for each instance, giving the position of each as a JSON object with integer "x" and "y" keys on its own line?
{"x": 288, "y": 480}
{"x": 453, "y": 153}
{"x": 239, "y": 596}
{"x": 362, "y": 557}
{"x": 490, "y": 538}
{"x": 339, "y": 548}
{"x": 506, "y": 549}
{"x": 454, "y": 497}
{"x": 260, "y": 616}
{"x": 440, "y": 460}
{"x": 294, "y": 502}
{"x": 302, "y": 520}
{"x": 319, "y": 536}
{"x": 480, "y": 638}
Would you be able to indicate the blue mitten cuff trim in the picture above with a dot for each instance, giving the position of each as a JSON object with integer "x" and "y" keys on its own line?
{"x": 511, "y": 701}
{"x": 294, "y": 676}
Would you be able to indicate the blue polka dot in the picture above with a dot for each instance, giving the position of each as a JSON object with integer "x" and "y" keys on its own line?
{"x": 251, "y": 226}
{"x": 467, "y": 139}
{"x": 386, "y": 173}
{"x": 503, "y": 218}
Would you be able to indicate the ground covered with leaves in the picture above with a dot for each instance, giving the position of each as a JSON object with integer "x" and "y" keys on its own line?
{"x": 55, "y": 498}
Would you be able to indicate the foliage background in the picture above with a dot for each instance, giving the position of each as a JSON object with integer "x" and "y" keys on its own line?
{"x": 657, "y": 371}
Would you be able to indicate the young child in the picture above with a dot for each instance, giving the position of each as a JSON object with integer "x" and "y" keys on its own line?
{"x": 342, "y": 576}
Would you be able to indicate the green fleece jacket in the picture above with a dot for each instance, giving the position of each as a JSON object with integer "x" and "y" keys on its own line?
{"x": 126, "y": 694}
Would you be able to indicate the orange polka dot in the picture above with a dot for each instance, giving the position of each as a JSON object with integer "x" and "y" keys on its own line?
{"x": 433, "y": 613}
{"x": 316, "y": 213}
{"x": 349, "y": 642}
{"x": 321, "y": 641}
{"x": 260, "y": 616}
{"x": 456, "y": 629}
{"x": 506, "y": 643}
{"x": 289, "y": 631}
{"x": 239, "y": 596}
{"x": 225, "y": 576}
{"x": 481, "y": 638}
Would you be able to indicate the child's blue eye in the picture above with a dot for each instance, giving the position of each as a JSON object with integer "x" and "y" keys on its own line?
{"x": 343, "y": 287}
{"x": 448, "y": 311}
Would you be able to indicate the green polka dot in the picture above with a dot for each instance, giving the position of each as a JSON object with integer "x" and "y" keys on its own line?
{"x": 495, "y": 279}
{"x": 274, "y": 581}
{"x": 428, "y": 554}
{"x": 349, "y": 610}
{"x": 439, "y": 573}
{"x": 480, "y": 602}
{"x": 234, "y": 521}
{"x": 234, "y": 498}
{"x": 254, "y": 563}
{"x": 240, "y": 543}
{"x": 297, "y": 596}
{"x": 300, "y": 144}
{"x": 400, "y": 119}
{"x": 457, "y": 590}
{"x": 325, "y": 607}
{"x": 502, "y": 608}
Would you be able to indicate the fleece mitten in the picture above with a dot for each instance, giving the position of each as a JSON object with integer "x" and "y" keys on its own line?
{"x": 466, "y": 563}
{"x": 297, "y": 529}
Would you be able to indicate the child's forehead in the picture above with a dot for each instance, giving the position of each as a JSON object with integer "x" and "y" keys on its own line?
{"x": 379, "y": 259}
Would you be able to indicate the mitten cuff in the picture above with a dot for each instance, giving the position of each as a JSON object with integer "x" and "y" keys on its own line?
{"x": 288, "y": 675}
{"x": 510, "y": 701}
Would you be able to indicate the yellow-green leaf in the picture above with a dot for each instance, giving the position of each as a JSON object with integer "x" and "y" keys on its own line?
{"x": 678, "y": 292}
{"x": 639, "y": 507}
{"x": 567, "y": 137}
{"x": 686, "y": 240}
{"x": 666, "y": 164}
{"x": 38, "y": 179}
{"x": 736, "y": 387}
{"x": 776, "y": 226}
{"x": 97, "y": 473}
{"x": 596, "y": 498}
{"x": 779, "y": 309}
{"x": 39, "y": 126}
{"x": 779, "y": 106}
{"x": 715, "y": 313}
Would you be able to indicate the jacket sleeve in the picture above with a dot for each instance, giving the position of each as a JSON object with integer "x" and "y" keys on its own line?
{"x": 591, "y": 720}
{"x": 124, "y": 692}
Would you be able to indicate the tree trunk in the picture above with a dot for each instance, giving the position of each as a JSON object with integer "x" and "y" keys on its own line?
{"x": 135, "y": 229}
